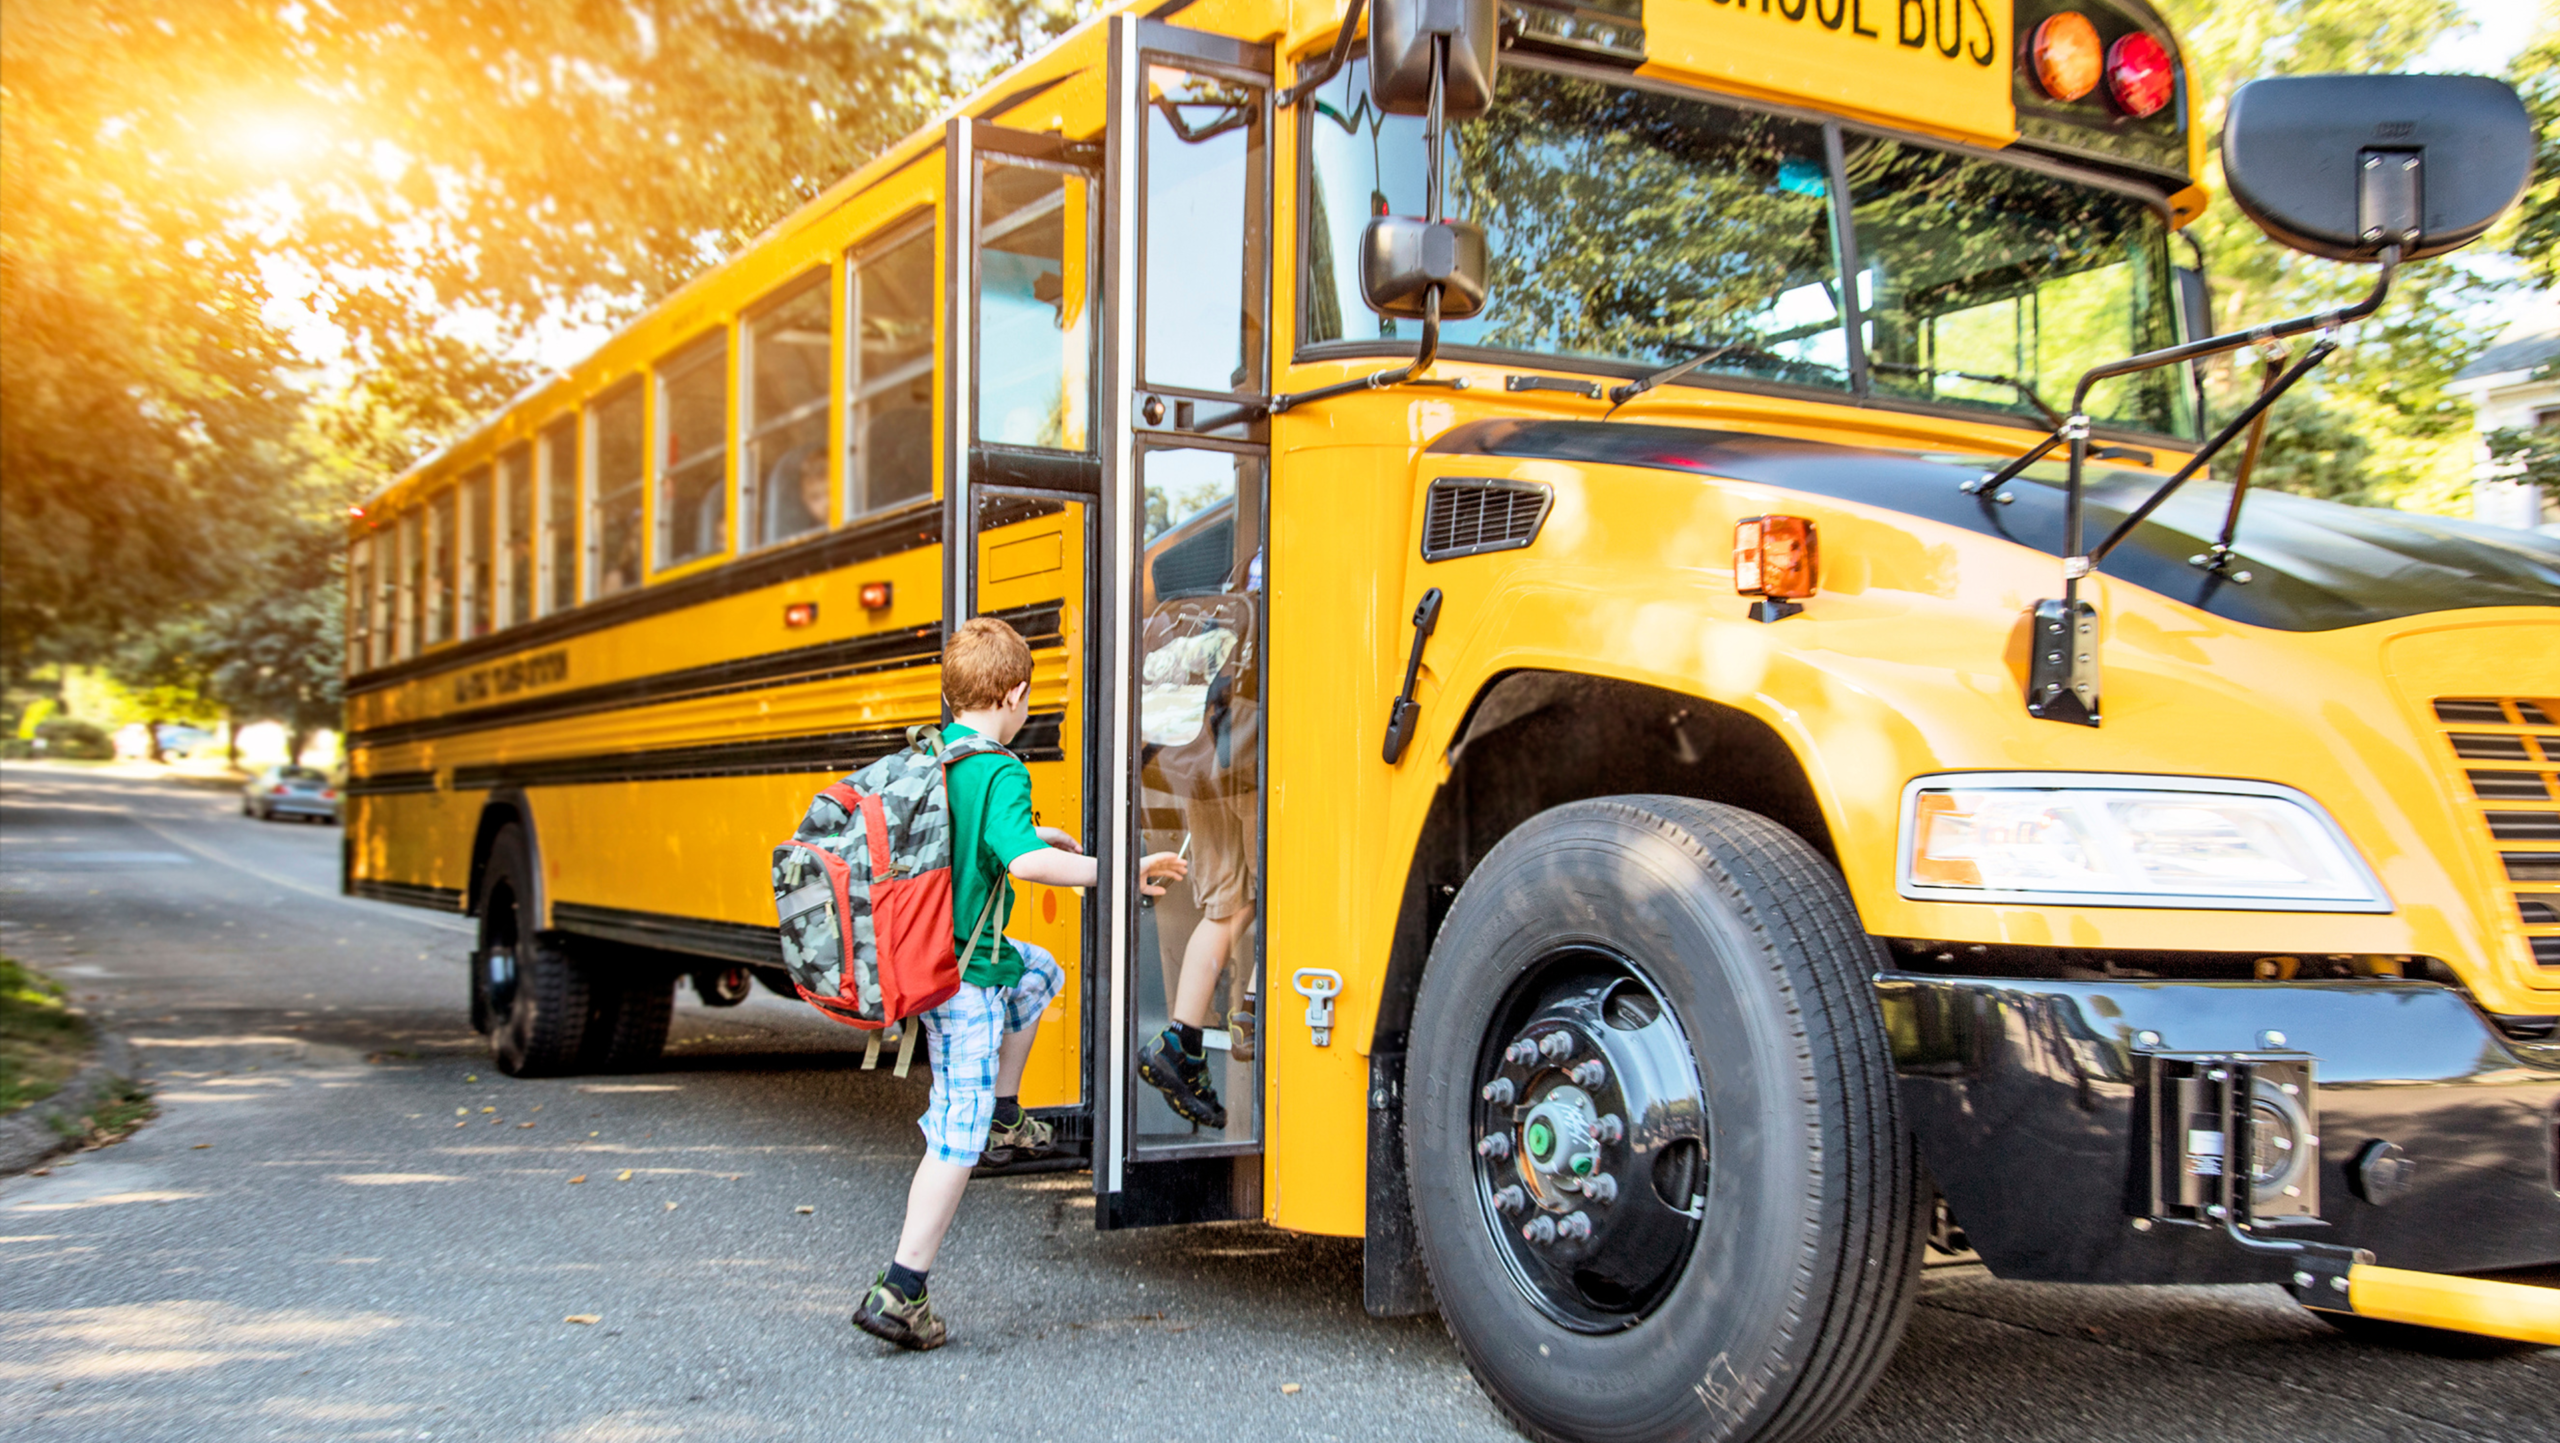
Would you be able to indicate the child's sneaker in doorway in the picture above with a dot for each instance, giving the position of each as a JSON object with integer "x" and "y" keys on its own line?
{"x": 1183, "y": 1079}
{"x": 1025, "y": 1140}
{"x": 1240, "y": 1040}
{"x": 891, "y": 1316}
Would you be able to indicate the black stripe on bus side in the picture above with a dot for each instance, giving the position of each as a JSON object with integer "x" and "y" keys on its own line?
{"x": 407, "y": 894}
{"x": 729, "y": 941}
{"x": 388, "y": 783}
{"x": 845, "y": 751}
{"x": 905, "y": 530}
{"x": 1041, "y": 624}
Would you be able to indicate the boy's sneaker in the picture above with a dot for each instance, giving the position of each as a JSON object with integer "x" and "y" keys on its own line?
{"x": 891, "y": 1316}
{"x": 1183, "y": 1079}
{"x": 1240, "y": 1031}
{"x": 1027, "y": 1139}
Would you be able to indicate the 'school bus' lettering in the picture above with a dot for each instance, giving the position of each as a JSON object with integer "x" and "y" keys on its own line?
{"x": 523, "y": 673}
{"x": 1917, "y": 24}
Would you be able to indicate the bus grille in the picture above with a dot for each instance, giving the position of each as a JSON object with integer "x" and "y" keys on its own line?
{"x": 1465, "y": 517}
{"x": 2510, "y": 753}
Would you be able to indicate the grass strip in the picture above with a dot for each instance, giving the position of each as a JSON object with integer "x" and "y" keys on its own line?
{"x": 42, "y": 1041}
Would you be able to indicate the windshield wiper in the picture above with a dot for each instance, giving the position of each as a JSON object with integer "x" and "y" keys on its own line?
{"x": 1624, "y": 392}
{"x": 2026, "y": 392}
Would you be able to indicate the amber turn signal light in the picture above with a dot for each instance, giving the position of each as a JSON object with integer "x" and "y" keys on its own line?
{"x": 2066, "y": 55}
{"x": 1773, "y": 556}
{"x": 875, "y": 596}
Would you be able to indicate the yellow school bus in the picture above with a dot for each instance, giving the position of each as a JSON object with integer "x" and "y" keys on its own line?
{"x": 1665, "y": 561}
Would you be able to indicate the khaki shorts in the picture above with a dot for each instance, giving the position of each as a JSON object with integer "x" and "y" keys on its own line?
{"x": 1226, "y": 853}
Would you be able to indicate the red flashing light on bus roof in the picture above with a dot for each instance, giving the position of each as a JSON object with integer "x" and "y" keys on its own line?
{"x": 2066, "y": 55}
{"x": 2139, "y": 74}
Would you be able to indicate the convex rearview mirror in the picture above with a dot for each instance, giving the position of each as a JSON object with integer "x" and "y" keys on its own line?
{"x": 1402, "y": 36}
{"x": 2344, "y": 166}
{"x": 1433, "y": 58}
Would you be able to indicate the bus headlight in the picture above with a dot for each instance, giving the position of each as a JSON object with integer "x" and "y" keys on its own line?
{"x": 2102, "y": 840}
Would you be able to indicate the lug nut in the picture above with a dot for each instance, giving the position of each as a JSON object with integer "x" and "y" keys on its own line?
{"x": 1575, "y": 1227}
{"x": 1539, "y": 1229}
{"x": 1583, "y": 1164}
{"x": 1610, "y": 1128}
{"x": 1498, "y": 1092}
{"x": 1600, "y": 1187}
{"x": 1556, "y": 1044}
{"x": 1590, "y": 1073}
{"x": 1494, "y": 1145}
{"x": 1510, "y": 1199}
{"x": 1521, "y": 1052}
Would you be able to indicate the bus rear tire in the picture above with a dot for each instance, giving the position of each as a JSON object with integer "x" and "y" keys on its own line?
{"x": 533, "y": 997}
{"x": 627, "y": 1026}
{"x": 1674, "y": 997}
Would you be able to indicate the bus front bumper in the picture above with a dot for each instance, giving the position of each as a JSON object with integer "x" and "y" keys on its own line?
{"x": 2048, "y": 1114}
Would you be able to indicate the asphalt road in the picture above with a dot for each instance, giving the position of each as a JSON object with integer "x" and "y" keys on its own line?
{"x": 344, "y": 1225}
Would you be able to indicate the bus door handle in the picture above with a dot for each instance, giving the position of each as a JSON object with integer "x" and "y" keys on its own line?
{"x": 1319, "y": 985}
{"x": 1406, "y": 713}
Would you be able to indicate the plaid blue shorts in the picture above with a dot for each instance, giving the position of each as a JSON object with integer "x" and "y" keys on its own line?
{"x": 961, "y": 1037}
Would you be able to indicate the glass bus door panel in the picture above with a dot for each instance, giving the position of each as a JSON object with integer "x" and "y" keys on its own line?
{"x": 1199, "y": 654}
{"x": 1017, "y": 476}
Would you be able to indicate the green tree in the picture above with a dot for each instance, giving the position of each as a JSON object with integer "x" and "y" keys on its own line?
{"x": 177, "y": 176}
{"x": 2536, "y": 76}
{"x": 2374, "y": 424}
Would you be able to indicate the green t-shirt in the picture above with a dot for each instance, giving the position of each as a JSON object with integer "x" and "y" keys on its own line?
{"x": 990, "y": 826}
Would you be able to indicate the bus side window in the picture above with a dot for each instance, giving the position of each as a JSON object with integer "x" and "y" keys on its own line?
{"x": 558, "y": 560}
{"x": 784, "y": 491}
{"x": 693, "y": 452}
{"x": 440, "y": 540}
{"x": 471, "y": 520}
{"x": 514, "y": 602}
{"x": 360, "y": 605}
{"x": 619, "y": 452}
{"x": 410, "y": 606}
{"x": 889, "y": 372}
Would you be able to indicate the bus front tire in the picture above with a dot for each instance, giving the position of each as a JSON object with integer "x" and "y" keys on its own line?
{"x": 1636, "y": 1004}
{"x": 534, "y": 998}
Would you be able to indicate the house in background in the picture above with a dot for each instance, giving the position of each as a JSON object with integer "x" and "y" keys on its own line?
{"x": 2515, "y": 384}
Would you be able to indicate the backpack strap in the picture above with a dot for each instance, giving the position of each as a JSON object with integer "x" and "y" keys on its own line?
{"x": 911, "y": 1026}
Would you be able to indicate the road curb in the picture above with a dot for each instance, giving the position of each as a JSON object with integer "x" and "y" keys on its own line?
{"x": 27, "y": 1137}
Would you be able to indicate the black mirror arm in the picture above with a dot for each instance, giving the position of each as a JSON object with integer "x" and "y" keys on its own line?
{"x": 2077, "y": 563}
{"x": 1331, "y": 65}
{"x": 2218, "y": 556}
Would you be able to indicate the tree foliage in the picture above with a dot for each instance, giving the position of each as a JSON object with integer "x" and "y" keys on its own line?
{"x": 2374, "y": 424}
{"x": 2536, "y": 76}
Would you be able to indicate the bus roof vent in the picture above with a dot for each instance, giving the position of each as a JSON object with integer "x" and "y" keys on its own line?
{"x": 1466, "y": 517}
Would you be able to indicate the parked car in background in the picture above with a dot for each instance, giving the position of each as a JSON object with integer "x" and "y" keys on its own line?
{"x": 290, "y": 792}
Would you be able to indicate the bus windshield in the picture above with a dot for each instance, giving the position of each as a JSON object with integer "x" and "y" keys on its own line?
{"x": 1633, "y": 229}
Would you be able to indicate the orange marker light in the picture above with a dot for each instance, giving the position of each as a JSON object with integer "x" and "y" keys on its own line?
{"x": 2066, "y": 55}
{"x": 2140, "y": 75}
{"x": 1773, "y": 556}
{"x": 800, "y": 613}
{"x": 875, "y": 596}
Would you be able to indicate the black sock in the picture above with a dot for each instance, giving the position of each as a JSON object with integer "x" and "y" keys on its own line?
{"x": 908, "y": 1282}
{"x": 1008, "y": 1112}
{"x": 1189, "y": 1037}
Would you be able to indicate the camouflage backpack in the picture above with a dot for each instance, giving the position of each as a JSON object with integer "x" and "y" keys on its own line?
{"x": 863, "y": 890}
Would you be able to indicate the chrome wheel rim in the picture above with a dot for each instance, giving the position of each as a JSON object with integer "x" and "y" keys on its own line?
{"x": 1591, "y": 1158}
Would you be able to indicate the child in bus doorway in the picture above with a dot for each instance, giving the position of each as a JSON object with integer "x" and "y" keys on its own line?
{"x": 979, "y": 1040}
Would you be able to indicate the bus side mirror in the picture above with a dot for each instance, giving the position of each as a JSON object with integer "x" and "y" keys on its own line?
{"x": 1401, "y": 259}
{"x": 2344, "y": 166}
{"x": 1402, "y": 36}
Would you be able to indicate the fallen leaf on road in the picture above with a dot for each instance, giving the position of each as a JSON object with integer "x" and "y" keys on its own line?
{"x": 462, "y": 1112}
{"x": 466, "y": 1122}
{"x": 595, "y": 1134}
{"x": 488, "y": 1109}
{"x": 625, "y": 1176}
{"x": 524, "y": 1124}
{"x": 804, "y": 1210}
{"x": 583, "y": 1318}
{"x": 537, "y": 1107}
{"x": 471, "y": 1077}
{"x": 671, "y": 1207}
{"x": 582, "y": 1177}
{"x": 1288, "y": 1387}
{"x": 199, "y": 1147}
